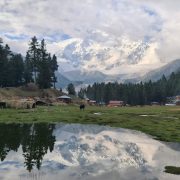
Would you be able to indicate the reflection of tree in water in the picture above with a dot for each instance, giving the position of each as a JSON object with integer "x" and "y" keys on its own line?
{"x": 35, "y": 139}
{"x": 36, "y": 142}
{"x": 10, "y": 136}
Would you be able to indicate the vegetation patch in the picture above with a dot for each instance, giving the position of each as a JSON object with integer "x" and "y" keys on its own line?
{"x": 172, "y": 170}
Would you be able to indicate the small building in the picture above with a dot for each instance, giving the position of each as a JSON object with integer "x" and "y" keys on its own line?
{"x": 92, "y": 102}
{"x": 178, "y": 103}
{"x": 174, "y": 100}
{"x": 116, "y": 103}
{"x": 170, "y": 104}
{"x": 87, "y": 100}
{"x": 42, "y": 103}
{"x": 64, "y": 99}
{"x": 155, "y": 103}
{"x": 20, "y": 104}
{"x": 178, "y": 98}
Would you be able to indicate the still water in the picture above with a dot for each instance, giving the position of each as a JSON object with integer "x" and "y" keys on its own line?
{"x": 82, "y": 152}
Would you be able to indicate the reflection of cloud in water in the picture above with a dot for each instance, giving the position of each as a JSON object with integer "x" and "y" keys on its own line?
{"x": 89, "y": 152}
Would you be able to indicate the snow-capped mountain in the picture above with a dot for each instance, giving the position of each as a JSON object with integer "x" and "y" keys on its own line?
{"x": 106, "y": 54}
{"x": 101, "y": 58}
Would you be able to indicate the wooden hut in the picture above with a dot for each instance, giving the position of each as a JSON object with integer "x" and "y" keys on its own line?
{"x": 116, "y": 103}
{"x": 92, "y": 102}
{"x": 178, "y": 103}
{"x": 64, "y": 99}
{"x": 42, "y": 103}
{"x": 155, "y": 103}
{"x": 20, "y": 104}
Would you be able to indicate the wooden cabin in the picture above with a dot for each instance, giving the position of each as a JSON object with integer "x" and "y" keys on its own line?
{"x": 155, "y": 103}
{"x": 64, "y": 99}
{"x": 116, "y": 103}
{"x": 178, "y": 103}
{"x": 92, "y": 102}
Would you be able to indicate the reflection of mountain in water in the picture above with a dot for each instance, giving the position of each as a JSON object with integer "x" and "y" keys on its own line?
{"x": 35, "y": 140}
{"x": 82, "y": 152}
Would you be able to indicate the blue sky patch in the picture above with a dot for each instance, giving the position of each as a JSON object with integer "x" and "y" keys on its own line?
{"x": 56, "y": 37}
{"x": 149, "y": 11}
{"x": 65, "y": 36}
{"x": 16, "y": 37}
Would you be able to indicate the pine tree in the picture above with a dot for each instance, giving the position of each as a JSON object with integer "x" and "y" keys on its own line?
{"x": 1, "y": 62}
{"x": 28, "y": 69}
{"x": 5, "y": 58}
{"x": 81, "y": 93}
{"x": 71, "y": 89}
{"x": 34, "y": 55}
{"x": 16, "y": 66}
{"x": 44, "y": 77}
{"x": 39, "y": 63}
{"x": 54, "y": 67}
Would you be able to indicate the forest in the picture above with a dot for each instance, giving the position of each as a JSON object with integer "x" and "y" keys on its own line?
{"x": 38, "y": 66}
{"x": 134, "y": 94}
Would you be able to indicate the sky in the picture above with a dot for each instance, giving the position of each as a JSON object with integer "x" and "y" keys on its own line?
{"x": 58, "y": 20}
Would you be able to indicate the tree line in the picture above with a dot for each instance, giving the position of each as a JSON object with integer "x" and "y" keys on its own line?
{"x": 134, "y": 94}
{"x": 38, "y": 66}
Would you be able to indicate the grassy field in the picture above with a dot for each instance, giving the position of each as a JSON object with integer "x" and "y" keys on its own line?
{"x": 161, "y": 122}
{"x": 172, "y": 170}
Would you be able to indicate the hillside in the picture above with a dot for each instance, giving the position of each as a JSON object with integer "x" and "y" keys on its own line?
{"x": 166, "y": 70}
{"x": 157, "y": 74}
{"x": 25, "y": 92}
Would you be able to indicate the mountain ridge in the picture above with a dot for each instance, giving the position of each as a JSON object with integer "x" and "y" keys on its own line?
{"x": 78, "y": 77}
{"x": 166, "y": 70}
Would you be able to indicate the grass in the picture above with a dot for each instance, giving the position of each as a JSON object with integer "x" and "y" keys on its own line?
{"x": 172, "y": 170}
{"x": 13, "y": 92}
{"x": 161, "y": 122}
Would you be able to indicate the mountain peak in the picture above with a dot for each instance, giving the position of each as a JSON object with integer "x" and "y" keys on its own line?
{"x": 102, "y": 53}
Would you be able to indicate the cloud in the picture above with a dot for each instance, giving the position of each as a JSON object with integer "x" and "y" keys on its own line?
{"x": 57, "y": 20}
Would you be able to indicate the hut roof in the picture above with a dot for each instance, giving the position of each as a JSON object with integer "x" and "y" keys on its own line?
{"x": 64, "y": 97}
{"x": 115, "y": 102}
{"x": 92, "y": 101}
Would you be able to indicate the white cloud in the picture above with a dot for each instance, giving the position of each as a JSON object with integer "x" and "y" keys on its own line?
{"x": 158, "y": 21}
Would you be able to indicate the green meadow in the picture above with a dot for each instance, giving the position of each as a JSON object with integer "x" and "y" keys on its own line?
{"x": 162, "y": 122}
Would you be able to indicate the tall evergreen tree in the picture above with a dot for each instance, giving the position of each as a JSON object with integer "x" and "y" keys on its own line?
{"x": 5, "y": 56}
{"x": 39, "y": 62}
{"x": 81, "y": 93}
{"x": 44, "y": 76}
{"x": 71, "y": 89}
{"x": 28, "y": 70}
{"x": 54, "y": 68}
{"x": 34, "y": 56}
{"x": 1, "y": 62}
{"x": 16, "y": 66}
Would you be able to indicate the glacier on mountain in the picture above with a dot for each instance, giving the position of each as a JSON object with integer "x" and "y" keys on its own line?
{"x": 109, "y": 55}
